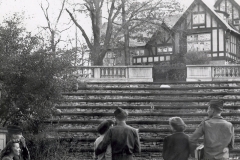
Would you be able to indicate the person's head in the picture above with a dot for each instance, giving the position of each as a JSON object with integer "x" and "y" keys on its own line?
{"x": 177, "y": 124}
{"x": 120, "y": 114}
{"x": 104, "y": 126}
{"x": 12, "y": 149}
{"x": 215, "y": 108}
{"x": 14, "y": 132}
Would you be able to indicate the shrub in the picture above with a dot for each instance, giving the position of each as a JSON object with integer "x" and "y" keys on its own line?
{"x": 196, "y": 58}
{"x": 169, "y": 72}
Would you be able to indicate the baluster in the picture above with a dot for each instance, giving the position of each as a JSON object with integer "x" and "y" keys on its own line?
{"x": 214, "y": 72}
{"x": 111, "y": 72}
{"x": 108, "y": 72}
{"x": 101, "y": 72}
{"x": 217, "y": 72}
{"x": 122, "y": 74}
{"x": 223, "y": 71}
{"x": 232, "y": 72}
{"x": 237, "y": 72}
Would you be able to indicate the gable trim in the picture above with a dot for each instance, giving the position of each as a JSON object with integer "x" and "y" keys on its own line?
{"x": 207, "y": 9}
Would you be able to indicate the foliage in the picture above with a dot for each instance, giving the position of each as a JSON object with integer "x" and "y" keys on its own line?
{"x": 169, "y": 72}
{"x": 176, "y": 70}
{"x": 145, "y": 16}
{"x": 196, "y": 58}
{"x": 31, "y": 77}
{"x": 47, "y": 148}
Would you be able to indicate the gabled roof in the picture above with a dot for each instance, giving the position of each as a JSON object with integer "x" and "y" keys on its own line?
{"x": 211, "y": 11}
{"x": 235, "y": 2}
{"x": 171, "y": 20}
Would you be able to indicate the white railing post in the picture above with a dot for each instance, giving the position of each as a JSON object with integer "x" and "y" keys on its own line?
{"x": 97, "y": 71}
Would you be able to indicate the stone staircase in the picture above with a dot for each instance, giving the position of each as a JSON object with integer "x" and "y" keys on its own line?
{"x": 149, "y": 106}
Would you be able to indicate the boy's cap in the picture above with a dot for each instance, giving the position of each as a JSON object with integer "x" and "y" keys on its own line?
{"x": 120, "y": 113}
{"x": 217, "y": 104}
{"x": 12, "y": 129}
{"x": 104, "y": 126}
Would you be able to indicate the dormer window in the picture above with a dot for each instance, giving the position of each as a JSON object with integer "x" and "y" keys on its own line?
{"x": 198, "y": 18}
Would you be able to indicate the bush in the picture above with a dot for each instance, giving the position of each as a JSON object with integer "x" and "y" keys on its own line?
{"x": 47, "y": 149}
{"x": 169, "y": 72}
{"x": 196, "y": 58}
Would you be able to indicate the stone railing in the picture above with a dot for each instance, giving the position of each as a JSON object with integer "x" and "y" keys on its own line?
{"x": 113, "y": 73}
{"x": 213, "y": 72}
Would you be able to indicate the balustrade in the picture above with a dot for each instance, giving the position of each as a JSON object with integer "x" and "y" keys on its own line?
{"x": 213, "y": 72}
{"x": 226, "y": 72}
{"x": 113, "y": 73}
{"x": 107, "y": 72}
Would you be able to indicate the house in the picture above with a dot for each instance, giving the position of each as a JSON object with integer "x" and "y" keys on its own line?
{"x": 210, "y": 30}
{"x": 160, "y": 47}
{"x": 214, "y": 30}
{"x": 201, "y": 28}
{"x": 116, "y": 56}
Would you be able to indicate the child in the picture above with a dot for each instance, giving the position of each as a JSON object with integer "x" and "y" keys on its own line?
{"x": 102, "y": 129}
{"x": 15, "y": 135}
{"x": 176, "y": 146}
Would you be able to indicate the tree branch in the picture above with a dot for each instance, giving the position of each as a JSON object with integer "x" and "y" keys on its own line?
{"x": 81, "y": 29}
{"x": 60, "y": 13}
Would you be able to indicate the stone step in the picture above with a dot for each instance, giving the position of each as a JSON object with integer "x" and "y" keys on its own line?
{"x": 148, "y": 100}
{"x": 146, "y": 122}
{"x": 155, "y": 107}
{"x": 180, "y": 83}
{"x": 146, "y": 139}
{"x": 141, "y": 130}
{"x": 84, "y": 94}
{"x": 145, "y": 114}
{"x": 159, "y": 89}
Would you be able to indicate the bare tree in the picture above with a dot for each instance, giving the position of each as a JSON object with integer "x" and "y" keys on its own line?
{"x": 136, "y": 17}
{"x": 53, "y": 26}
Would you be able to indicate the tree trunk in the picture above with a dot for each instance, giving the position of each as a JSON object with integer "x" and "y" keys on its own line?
{"x": 126, "y": 35}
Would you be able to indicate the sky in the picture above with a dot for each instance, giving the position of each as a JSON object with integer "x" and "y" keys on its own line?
{"x": 34, "y": 15}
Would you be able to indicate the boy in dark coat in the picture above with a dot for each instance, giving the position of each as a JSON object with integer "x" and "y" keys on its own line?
{"x": 176, "y": 146}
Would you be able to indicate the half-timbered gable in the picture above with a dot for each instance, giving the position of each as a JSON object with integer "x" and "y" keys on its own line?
{"x": 160, "y": 47}
{"x": 202, "y": 29}
{"x": 232, "y": 9}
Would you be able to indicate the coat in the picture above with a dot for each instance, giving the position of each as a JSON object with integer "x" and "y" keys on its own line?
{"x": 176, "y": 147}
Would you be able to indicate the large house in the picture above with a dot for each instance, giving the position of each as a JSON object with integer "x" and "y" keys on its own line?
{"x": 214, "y": 30}
{"x": 211, "y": 30}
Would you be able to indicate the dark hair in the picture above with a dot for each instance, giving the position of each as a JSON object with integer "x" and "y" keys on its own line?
{"x": 104, "y": 126}
{"x": 8, "y": 149}
{"x": 177, "y": 124}
{"x": 178, "y": 128}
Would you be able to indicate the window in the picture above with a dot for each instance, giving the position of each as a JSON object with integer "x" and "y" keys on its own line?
{"x": 199, "y": 42}
{"x": 236, "y": 22}
{"x": 233, "y": 43}
{"x": 199, "y": 18}
{"x": 164, "y": 50}
{"x": 109, "y": 59}
{"x": 139, "y": 52}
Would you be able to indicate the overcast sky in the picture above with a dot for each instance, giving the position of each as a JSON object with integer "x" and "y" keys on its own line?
{"x": 34, "y": 15}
